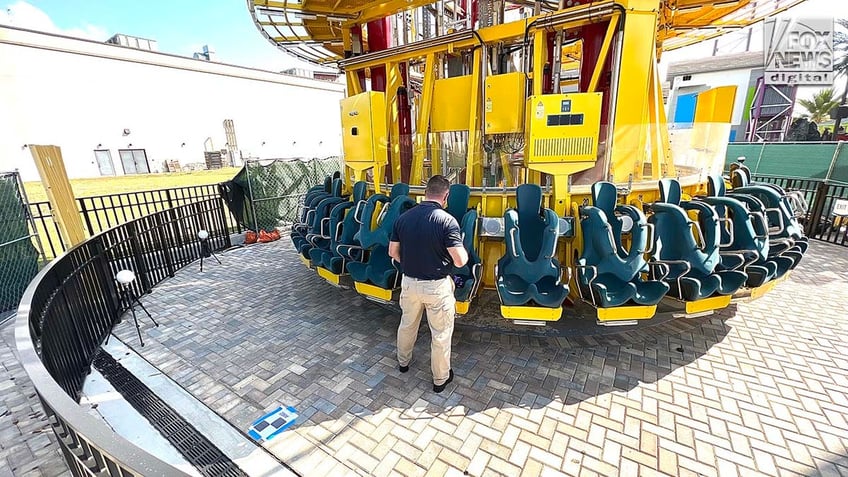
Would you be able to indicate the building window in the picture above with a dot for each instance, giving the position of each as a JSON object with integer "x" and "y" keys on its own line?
{"x": 134, "y": 161}
{"x": 104, "y": 162}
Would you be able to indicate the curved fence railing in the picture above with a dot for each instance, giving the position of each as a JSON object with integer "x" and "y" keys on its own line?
{"x": 70, "y": 307}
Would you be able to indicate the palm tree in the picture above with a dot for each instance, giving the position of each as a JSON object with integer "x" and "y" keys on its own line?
{"x": 840, "y": 63}
{"x": 821, "y": 104}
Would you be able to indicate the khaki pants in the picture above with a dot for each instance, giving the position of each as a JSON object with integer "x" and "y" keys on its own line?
{"x": 435, "y": 296}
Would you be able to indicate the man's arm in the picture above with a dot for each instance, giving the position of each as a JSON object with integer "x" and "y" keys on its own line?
{"x": 458, "y": 254}
{"x": 394, "y": 250}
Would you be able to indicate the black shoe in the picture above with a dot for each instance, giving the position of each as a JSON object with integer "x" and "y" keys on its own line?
{"x": 403, "y": 369}
{"x": 437, "y": 388}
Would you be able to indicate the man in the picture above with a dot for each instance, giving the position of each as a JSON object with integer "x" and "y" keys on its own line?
{"x": 426, "y": 240}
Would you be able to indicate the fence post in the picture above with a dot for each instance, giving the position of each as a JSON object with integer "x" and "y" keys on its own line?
{"x": 85, "y": 216}
{"x": 141, "y": 267}
{"x": 164, "y": 246}
{"x": 818, "y": 209}
{"x": 108, "y": 281}
{"x": 31, "y": 219}
{"x": 833, "y": 161}
{"x": 252, "y": 198}
{"x": 168, "y": 198}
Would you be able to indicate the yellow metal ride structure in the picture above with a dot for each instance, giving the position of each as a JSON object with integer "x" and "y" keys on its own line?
{"x": 574, "y": 193}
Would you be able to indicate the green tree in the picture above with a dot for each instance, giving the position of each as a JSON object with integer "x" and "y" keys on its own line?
{"x": 821, "y": 104}
{"x": 840, "y": 61}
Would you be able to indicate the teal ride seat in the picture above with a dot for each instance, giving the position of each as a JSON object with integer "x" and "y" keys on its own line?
{"x": 377, "y": 267}
{"x": 318, "y": 235}
{"x": 780, "y": 210}
{"x": 299, "y": 226}
{"x": 779, "y": 215}
{"x": 332, "y": 188}
{"x": 468, "y": 277}
{"x": 747, "y": 236}
{"x": 529, "y": 271}
{"x": 691, "y": 269}
{"x": 343, "y": 227}
{"x": 608, "y": 273}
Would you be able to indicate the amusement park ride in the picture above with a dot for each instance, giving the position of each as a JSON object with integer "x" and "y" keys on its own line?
{"x": 572, "y": 190}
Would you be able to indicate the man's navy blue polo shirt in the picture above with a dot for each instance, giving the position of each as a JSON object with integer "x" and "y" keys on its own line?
{"x": 425, "y": 233}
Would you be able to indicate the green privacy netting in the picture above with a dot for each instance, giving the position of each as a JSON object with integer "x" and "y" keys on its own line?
{"x": 18, "y": 255}
{"x": 267, "y": 193}
{"x": 804, "y": 160}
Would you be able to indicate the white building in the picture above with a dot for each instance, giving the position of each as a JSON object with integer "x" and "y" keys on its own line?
{"x": 688, "y": 78}
{"x": 117, "y": 110}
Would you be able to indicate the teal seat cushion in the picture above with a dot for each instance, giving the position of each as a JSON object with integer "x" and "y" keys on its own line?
{"x": 675, "y": 242}
{"x": 529, "y": 271}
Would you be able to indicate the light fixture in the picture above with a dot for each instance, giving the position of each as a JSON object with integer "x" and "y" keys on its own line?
{"x": 270, "y": 11}
{"x": 129, "y": 145}
{"x": 99, "y": 145}
{"x": 205, "y": 249}
{"x": 305, "y": 16}
{"x": 689, "y": 9}
{"x": 125, "y": 278}
{"x": 126, "y": 131}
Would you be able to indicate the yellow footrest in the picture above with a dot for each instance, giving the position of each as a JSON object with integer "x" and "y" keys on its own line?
{"x": 305, "y": 261}
{"x": 760, "y": 291}
{"x": 539, "y": 313}
{"x": 328, "y": 275}
{"x": 620, "y": 313}
{"x": 462, "y": 307}
{"x": 708, "y": 304}
{"x": 373, "y": 291}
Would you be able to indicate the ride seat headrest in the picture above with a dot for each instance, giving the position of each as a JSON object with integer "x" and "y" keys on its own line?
{"x": 715, "y": 186}
{"x": 670, "y": 191}
{"x": 604, "y": 196}
{"x": 458, "y": 201}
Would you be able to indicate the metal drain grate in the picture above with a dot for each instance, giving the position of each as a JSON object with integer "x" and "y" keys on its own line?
{"x": 196, "y": 449}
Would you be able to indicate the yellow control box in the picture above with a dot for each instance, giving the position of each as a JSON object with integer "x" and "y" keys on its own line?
{"x": 563, "y": 127}
{"x": 504, "y": 106}
{"x": 364, "y": 136}
{"x": 451, "y": 104}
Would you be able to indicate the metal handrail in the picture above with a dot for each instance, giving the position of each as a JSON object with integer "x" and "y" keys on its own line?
{"x": 512, "y": 247}
{"x": 88, "y": 441}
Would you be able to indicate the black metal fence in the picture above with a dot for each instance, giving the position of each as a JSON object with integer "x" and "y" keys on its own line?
{"x": 102, "y": 212}
{"x": 71, "y": 306}
{"x": 824, "y": 220}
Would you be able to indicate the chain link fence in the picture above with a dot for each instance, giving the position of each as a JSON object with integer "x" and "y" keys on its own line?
{"x": 19, "y": 246}
{"x": 267, "y": 193}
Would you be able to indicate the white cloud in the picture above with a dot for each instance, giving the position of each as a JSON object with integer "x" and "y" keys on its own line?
{"x": 23, "y": 15}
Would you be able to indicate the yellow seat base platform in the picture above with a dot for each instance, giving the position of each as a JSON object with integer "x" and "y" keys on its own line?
{"x": 626, "y": 313}
{"x": 341, "y": 281}
{"x": 462, "y": 307}
{"x": 703, "y": 306}
{"x": 536, "y": 313}
{"x": 374, "y": 292}
{"x": 305, "y": 261}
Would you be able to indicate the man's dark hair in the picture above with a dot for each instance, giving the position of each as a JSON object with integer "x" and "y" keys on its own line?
{"x": 437, "y": 186}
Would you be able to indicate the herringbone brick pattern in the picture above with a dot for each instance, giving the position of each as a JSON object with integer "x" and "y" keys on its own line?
{"x": 760, "y": 389}
{"x": 27, "y": 444}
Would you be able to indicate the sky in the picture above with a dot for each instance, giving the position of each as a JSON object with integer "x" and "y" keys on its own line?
{"x": 182, "y": 27}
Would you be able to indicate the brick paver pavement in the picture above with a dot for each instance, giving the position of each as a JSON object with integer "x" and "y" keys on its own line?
{"x": 27, "y": 445}
{"x": 759, "y": 389}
